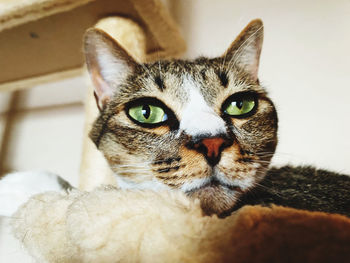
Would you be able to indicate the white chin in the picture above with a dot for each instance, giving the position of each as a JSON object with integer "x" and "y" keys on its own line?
{"x": 215, "y": 199}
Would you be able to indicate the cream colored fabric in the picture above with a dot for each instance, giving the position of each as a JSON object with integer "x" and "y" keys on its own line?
{"x": 110, "y": 225}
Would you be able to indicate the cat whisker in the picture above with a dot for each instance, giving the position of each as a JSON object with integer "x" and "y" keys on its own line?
{"x": 258, "y": 153}
{"x": 277, "y": 193}
{"x": 167, "y": 161}
{"x": 132, "y": 171}
{"x": 263, "y": 157}
{"x": 167, "y": 169}
{"x": 131, "y": 168}
{"x": 131, "y": 165}
{"x": 138, "y": 174}
{"x": 261, "y": 160}
{"x": 143, "y": 163}
{"x": 274, "y": 190}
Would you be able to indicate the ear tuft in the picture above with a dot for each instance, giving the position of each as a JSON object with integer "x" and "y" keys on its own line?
{"x": 107, "y": 62}
{"x": 245, "y": 50}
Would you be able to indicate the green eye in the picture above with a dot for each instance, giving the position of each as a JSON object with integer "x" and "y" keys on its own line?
{"x": 240, "y": 105}
{"x": 148, "y": 114}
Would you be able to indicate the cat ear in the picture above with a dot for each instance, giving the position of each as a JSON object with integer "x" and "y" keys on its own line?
{"x": 107, "y": 62}
{"x": 246, "y": 48}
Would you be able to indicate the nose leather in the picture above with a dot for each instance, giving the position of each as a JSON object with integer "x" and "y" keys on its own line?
{"x": 211, "y": 148}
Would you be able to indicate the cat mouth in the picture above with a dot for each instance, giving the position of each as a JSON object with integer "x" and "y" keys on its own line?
{"x": 214, "y": 183}
{"x": 215, "y": 196}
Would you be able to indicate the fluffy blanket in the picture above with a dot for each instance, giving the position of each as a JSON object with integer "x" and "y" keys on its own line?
{"x": 111, "y": 225}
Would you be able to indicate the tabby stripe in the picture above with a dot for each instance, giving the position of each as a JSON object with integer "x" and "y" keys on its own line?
{"x": 168, "y": 161}
{"x": 104, "y": 129}
{"x": 223, "y": 78}
{"x": 166, "y": 170}
{"x": 158, "y": 80}
{"x": 173, "y": 177}
{"x": 245, "y": 160}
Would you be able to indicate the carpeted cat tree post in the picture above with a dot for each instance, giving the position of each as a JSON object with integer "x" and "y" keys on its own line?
{"x": 46, "y": 36}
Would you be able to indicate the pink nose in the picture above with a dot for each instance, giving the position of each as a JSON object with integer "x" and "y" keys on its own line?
{"x": 211, "y": 148}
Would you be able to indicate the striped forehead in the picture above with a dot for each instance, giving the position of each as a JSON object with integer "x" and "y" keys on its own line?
{"x": 198, "y": 118}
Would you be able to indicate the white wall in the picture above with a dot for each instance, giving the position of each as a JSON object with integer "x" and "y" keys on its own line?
{"x": 45, "y": 129}
{"x": 304, "y": 66}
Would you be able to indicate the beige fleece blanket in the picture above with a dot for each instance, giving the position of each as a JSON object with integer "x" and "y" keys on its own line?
{"x": 111, "y": 225}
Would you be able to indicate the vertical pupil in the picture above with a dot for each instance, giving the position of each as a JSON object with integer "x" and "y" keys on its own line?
{"x": 239, "y": 104}
{"x": 146, "y": 111}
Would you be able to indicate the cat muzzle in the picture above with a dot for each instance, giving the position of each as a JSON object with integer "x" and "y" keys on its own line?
{"x": 210, "y": 147}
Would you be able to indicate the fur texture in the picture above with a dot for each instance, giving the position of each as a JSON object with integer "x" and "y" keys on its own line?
{"x": 302, "y": 188}
{"x": 110, "y": 225}
{"x": 199, "y": 149}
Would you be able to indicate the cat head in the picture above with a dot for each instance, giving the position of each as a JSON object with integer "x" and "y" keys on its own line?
{"x": 205, "y": 126}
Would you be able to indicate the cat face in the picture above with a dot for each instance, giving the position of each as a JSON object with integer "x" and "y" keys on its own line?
{"x": 205, "y": 127}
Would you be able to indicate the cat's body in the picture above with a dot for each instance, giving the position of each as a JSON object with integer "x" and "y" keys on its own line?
{"x": 205, "y": 127}
{"x": 300, "y": 187}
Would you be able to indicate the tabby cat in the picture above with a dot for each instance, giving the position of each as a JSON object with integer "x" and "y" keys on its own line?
{"x": 205, "y": 127}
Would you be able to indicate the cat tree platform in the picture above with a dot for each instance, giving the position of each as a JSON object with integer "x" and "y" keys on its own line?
{"x": 41, "y": 40}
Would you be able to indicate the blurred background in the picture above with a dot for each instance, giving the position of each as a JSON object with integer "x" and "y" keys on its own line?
{"x": 305, "y": 66}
